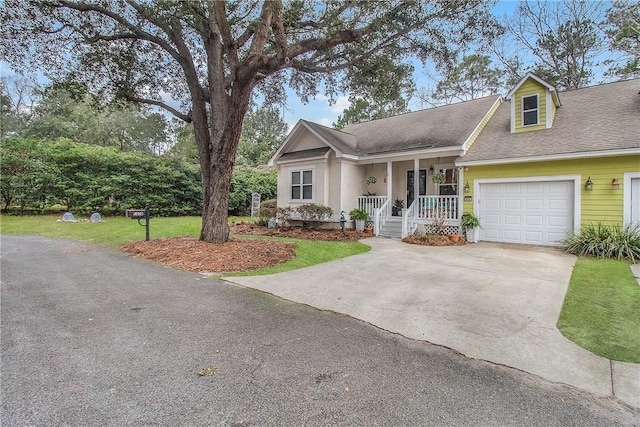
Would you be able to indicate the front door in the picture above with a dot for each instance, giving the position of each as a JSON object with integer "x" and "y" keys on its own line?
{"x": 422, "y": 185}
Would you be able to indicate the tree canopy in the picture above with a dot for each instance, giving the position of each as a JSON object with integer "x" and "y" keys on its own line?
{"x": 209, "y": 56}
{"x": 468, "y": 78}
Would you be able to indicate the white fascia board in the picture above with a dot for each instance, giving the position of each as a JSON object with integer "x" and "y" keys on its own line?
{"x": 482, "y": 122}
{"x": 291, "y": 136}
{"x": 285, "y": 143}
{"x": 524, "y": 79}
{"x": 566, "y": 156}
{"x": 305, "y": 160}
{"x": 409, "y": 155}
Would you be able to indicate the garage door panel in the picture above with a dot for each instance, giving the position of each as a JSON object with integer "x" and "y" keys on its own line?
{"x": 512, "y": 220}
{"x": 511, "y": 204}
{"x": 560, "y": 205}
{"x": 493, "y": 203}
{"x": 557, "y": 188}
{"x": 558, "y": 221}
{"x": 532, "y": 204}
{"x": 534, "y": 236}
{"x": 533, "y": 188}
{"x": 526, "y": 212}
{"x": 535, "y": 220}
{"x": 512, "y": 235}
{"x": 556, "y": 237}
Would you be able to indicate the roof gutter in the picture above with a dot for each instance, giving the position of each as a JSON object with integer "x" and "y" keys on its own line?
{"x": 566, "y": 156}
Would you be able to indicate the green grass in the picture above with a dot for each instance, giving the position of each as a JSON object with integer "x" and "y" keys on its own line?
{"x": 115, "y": 231}
{"x": 601, "y": 310}
{"x": 308, "y": 252}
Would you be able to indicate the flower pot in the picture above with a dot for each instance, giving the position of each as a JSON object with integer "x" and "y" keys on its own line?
{"x": 360, "y": 224}
{"x": 368, "y": 230}
{"x": 454, "y": 238}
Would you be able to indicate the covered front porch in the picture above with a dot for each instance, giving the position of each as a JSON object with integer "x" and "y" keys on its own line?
{"x": 428, "y": 190}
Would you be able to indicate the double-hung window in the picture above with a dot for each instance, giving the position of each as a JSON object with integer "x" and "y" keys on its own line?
{"x": 302, "y": 185}
{"x": 530, "y": 110}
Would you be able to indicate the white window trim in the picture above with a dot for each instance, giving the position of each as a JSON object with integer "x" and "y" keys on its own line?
{"x": 522, "y": 110}
{"x": 313, "y": 185}
{"x": 626, "y": 185}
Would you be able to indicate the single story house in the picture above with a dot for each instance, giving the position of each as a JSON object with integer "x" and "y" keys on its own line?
{"x": 531, "y": 166}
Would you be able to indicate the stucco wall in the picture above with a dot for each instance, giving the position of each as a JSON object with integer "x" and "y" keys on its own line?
{"x": 284, "y": 182}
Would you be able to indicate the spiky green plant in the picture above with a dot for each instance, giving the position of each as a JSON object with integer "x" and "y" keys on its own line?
{"x": 605, "y": 241}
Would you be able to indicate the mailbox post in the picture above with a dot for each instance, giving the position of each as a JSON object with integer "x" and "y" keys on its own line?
{"x": 140, "y": 214}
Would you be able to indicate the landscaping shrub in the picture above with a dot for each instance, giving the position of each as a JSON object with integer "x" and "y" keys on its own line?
{"x": 284, "y": 215}
{"x": 268, "y": 209}
{"x": 82, "y": 178}
{"x": 247, "y": 180}
{"x": 313, "y": 214}
{"x": 605, "y": 241}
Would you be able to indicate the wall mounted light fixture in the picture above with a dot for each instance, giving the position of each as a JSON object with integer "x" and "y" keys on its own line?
{"x": 615, "y": 184}
{"x": 588, "y": 186}
{"x": 467, "y": 187}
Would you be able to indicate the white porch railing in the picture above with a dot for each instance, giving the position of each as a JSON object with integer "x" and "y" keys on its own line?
{"x": 379, "y": 217}
{"x": 409, "y": 219}
{"x": 371, "y": 203}
{"x": 437, "y": 207}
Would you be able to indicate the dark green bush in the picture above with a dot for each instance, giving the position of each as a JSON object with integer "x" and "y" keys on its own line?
{"x": 247, "y": 180}
{"x": 85, "y": 178}
{"x": 605, "y": 241}
{"x": 268, "y": 209}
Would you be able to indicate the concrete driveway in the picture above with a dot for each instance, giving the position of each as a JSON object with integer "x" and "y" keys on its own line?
{"x": 494, "y": 302}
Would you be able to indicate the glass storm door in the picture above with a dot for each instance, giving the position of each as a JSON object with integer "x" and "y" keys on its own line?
{"x": 422, "y": 185}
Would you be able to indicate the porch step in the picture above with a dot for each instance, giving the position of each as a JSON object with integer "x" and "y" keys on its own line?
{"x": 392, "y": 228}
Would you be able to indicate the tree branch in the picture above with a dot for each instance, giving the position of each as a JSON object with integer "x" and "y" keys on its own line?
{"x": 175, "y": 112}
{"x": 141, "y": 35}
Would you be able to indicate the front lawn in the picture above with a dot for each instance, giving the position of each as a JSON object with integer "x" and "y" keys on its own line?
{"x": 601, "y": 310}
{"x": 116, "y": 231}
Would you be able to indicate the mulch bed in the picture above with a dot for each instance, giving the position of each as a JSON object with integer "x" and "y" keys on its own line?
{"x": 191, "y": 254}
{"x": 433, "y": 240}
{"x": 299, "y": 233}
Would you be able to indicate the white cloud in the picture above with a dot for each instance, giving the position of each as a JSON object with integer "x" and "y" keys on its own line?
{"x": 341, "y": 104}
{"x": 325, "y": 122}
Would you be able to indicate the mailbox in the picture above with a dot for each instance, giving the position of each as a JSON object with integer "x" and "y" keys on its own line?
{"x": 135, "y": 213}
{"x": 140, "y": 214}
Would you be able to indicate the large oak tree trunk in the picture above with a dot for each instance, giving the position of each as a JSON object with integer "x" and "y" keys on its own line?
{"x": 217, "y": 137}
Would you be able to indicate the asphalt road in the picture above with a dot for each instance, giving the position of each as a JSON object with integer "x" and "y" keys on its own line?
{"x": 93, "y": 337}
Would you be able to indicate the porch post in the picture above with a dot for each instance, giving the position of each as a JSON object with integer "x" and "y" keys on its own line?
{"x": 389, "y": 183}
{"x": 416, "y": 179}
{"x": 460, "y": 191}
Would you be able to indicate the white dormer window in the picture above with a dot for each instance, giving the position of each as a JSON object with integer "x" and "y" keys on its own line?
{"x": 530, "y": 110}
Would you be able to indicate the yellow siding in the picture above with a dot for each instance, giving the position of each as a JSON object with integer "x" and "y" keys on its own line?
{"x": 601, "y": 204}
{"x": 530, "y": 87}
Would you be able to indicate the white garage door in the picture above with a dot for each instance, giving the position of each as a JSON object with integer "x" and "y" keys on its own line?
{"x": 538, "y": 213}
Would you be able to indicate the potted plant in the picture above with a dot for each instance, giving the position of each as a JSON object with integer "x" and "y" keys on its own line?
{"x": 359, "y": 216}
{"x": 470, "y": 225}
{"x": 398, "y": 205}
{"x": 438, "y": 178}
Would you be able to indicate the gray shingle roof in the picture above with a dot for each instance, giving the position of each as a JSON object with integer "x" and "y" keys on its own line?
{"x": 439, "y": 127}
{"x": 597, "y": 118}
{"x": 342, "y": 141}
